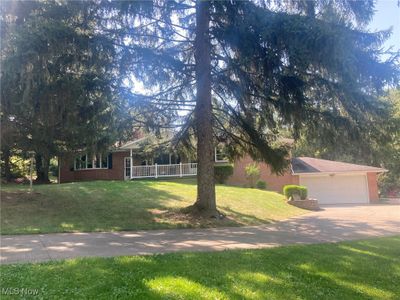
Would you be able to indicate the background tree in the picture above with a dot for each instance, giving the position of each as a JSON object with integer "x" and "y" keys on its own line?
{"x": 389, "y": 153}
{"x": 267, "y": 65}
{"x": 59, "y": 81}
{"x": 382, "y": 151}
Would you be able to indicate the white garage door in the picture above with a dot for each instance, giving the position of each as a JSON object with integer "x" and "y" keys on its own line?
{"x": 337, "y": 189}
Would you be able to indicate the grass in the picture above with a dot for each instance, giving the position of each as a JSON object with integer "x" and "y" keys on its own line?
{"x": 130, "y": 205}
{"x": 368, "y": 269}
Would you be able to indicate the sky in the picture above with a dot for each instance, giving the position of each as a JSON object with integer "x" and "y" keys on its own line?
{"x": 387, "y": 15}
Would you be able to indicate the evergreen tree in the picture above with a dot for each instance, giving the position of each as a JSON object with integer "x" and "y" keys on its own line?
{"x": 381, "y": 147}
{"x": 59, "y": 80}
{"x": 265, "y": 64}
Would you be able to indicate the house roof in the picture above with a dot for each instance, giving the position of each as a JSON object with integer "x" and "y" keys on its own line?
{"x": 315, "y": 165}
{"x": 133, "y": 144}
{"x": 148, "y": 139}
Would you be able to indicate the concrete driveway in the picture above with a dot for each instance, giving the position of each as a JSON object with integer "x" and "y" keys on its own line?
{"x": 332, "y": 224}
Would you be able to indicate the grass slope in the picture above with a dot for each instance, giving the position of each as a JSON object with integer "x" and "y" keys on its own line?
{"x": 368, "y": 269}
{"x": 119, "y": 205}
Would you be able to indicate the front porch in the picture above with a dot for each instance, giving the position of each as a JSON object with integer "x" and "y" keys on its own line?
{"x": 161, "y": 163}
{"x": 158, "y": 170}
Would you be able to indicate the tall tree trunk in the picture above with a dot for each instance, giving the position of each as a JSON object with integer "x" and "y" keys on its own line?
{"x": 203, "y": 113}
{"x": 42, "y": 168}
{"x": 7, "y": 166}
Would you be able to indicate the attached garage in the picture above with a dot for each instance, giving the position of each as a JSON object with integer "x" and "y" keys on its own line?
{"x": 332, "y": 182}
{"x": 337, "y": 188}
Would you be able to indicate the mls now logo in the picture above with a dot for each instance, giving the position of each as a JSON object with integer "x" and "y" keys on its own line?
{"x": 19, "y": 291}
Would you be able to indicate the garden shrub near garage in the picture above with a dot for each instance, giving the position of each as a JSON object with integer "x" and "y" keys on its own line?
{"x": 222, "y": 172}
{"x": 261, "y": 184}
{"x": 290, "y": 190}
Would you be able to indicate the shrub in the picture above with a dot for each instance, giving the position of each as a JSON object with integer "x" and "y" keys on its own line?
{"x": 389, "y": 185}
{"x": 53, "y": 167}
{"x": 19, "y": 166}
{"x": 290, "y": 190}
{"x": 261, "y": 184}
{"x": 222, "y": 172}
{"x": 252, "y": 174}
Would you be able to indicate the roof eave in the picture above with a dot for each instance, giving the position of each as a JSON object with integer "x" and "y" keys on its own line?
{"x": 341, "y": 172}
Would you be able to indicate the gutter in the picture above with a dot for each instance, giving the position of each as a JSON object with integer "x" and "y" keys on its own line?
{"x": 340, "y": 172}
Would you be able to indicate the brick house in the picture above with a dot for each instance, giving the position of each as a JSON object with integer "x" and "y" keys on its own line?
{"x": 331, "y": 182}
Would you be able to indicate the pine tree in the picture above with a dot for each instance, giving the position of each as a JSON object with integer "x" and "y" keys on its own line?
{"x": 59, "y": 80}
{"x": 242, "y": 70}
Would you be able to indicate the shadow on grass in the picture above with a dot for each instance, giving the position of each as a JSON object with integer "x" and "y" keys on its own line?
{"x": 243, "y": 219}
{"x": 190, "y": 180}
{"x": 106, "y": 206}
{"x": 88, "y": 206}
{"x": 352, "y": 270}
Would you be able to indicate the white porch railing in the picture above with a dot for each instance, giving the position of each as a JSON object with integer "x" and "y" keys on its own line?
{"x": 156, "y": 171}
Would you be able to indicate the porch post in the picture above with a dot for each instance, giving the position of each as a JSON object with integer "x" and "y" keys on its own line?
{"x": 131, "y": 159}
{"x": 155, "y": 165}
{"x": 180, "y": 169}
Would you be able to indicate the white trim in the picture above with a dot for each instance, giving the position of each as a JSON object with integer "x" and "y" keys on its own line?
{"x": 91, "y": 169}
{"x": 131, "y": 159}
{"x": 158, "y": 171}
{"x": 127, "y": 167}
{"x": 367, "y": 185}
{"x": 218, "y": 160}
{"x": 338, "y": 172}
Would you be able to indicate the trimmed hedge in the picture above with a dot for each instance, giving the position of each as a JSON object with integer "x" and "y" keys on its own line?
{"x": 261, "y": 184}
{"x": 291, "y": 189}
{"x": 222, "y": 172}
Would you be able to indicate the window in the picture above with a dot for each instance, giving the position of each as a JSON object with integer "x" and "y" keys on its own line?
{"x": 162, "y": 159}
{"x": 98, "y": 161}
{"x": 220, "y": 155}
{"x": 175, "y": 159}
{"x": 104, "y": 161}
{"x": 80, "y": 162}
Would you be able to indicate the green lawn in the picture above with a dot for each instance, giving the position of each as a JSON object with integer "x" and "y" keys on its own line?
{"x": 130, "y": 205}
{"x": 368, "y": 269}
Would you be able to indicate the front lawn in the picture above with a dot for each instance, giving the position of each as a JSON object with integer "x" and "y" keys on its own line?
{"x": 130, "y": 205}
{"x": 368, "y": 269}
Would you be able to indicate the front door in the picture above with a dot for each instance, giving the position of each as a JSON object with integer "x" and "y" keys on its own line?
{"x": 127, "y": 168}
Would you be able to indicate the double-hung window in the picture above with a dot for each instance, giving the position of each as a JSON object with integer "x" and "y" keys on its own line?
{"x": 86, "y": 162}
{"x": 220, "y": 155}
